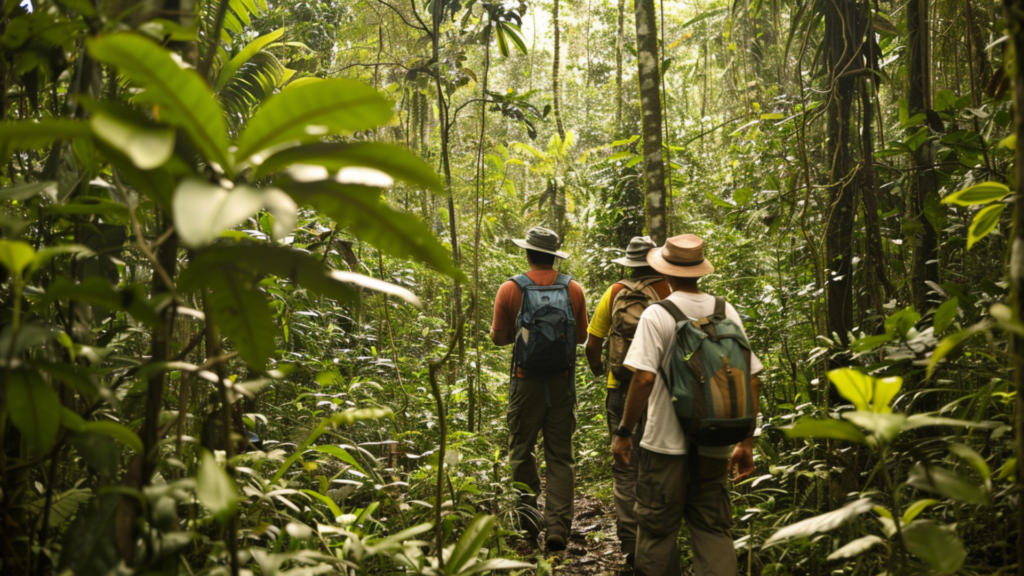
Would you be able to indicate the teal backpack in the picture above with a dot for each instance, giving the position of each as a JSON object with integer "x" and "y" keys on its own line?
{"x": 709, "y": 377}
{"x": 545, "y": 328}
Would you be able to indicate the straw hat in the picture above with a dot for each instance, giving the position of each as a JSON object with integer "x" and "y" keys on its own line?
{"x": 541, "y": 240}
{"x": 636, "y": 252}
{"x": 682, "y": 257}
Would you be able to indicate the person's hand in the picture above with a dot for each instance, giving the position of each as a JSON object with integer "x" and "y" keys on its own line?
{"x": 741, "y": 464}
{"x": 621, "y": 448}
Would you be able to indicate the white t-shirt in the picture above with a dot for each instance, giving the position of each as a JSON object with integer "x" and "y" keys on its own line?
{"x": 655, "y": 336}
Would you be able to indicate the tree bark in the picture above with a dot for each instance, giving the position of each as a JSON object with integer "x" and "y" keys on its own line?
{"x": 474, "y": 382}
{"x": 925, "y": 190}
{"x": 650, "y": 105}
{"x": 555, "y": 72}
{"x": 619, "y": 41}
{"x": 1015, "y": 15}
{"x": 841, "y": 49}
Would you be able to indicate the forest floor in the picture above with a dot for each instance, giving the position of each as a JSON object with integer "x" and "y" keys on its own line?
{"x": 593, "y": 548}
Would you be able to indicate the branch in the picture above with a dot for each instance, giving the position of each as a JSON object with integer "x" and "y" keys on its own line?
{"x": 422, "y": 26}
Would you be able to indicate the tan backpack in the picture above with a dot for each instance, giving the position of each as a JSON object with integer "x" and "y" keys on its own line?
{"x": 636, "y": 295}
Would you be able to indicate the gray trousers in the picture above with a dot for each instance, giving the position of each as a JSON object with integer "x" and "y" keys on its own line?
{"x": 624, "y": 475}
{"x": 663, "y": 500}
{"x": 529, "y": 415}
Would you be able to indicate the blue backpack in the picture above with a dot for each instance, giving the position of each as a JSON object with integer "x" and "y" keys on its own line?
{"x": 545, "y": 328}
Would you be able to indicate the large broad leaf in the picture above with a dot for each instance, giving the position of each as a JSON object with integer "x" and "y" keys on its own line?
{"x": 243, "y": 56}
{"x": 945, "y": 315}
{"x": 856, "y": 547}
{"x": 309, "y": 111}
{"x": 866, "y": 392}
{"x": 33, "y": 134}
{"x": 148, "y": 147}
{"x": 90, "y": 542}
{"x": 202, "y": 211}
{"x": 63, "y": 506}
{"x": 16, "y": 255}
{"x": 341, "y": 454}
{"x": 98, "y": 291}
{"x": 116, "y": 431}
{"x": 215, "y": 489}
{"x": 241, "y": 310}
{"x": 972, "y": 458}
{"x": 937, "y": 544}
{"x": 983, "y": 193}
{"x": 34, "y": 409}
{"x": 393, "y": 160}
{"x": 348, "y": 417}
{"x": 180, "y": 94}
{"x": 946, "y": 483}
{"x": 821, "y": 523}
{"x": 470, "y": 543}
{"x": 361, "y": 209}
{"x": 814, "y": 428}
{"x": 984, "y": 222}
{"x": 883, "y": 427}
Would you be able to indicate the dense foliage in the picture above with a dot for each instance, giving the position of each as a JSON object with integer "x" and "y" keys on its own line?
{"x": 250, "y": 247}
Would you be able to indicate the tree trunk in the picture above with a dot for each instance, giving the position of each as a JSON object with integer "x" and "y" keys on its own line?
{"x": 474, "y": 382}
{"x": 650, "y": 104}
{"x": 925, "y": 189}
{"x": 1014, "y": 10}
{"x": 841, "y": 41}
{"x": 619, "y": 41}
{"x": 555, "y": 72}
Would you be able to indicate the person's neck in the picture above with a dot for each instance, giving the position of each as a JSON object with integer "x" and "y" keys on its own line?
{"x": 541, "y": 266}
{"x": 688, "y": 285}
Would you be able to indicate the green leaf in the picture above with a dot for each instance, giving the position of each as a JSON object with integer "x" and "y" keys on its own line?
{"x": 181, "y": 96}
{"x": 821, "y": 523}
{"x": 871, "y": 342}
{"x": 34, "y": 134}
{"x": 866, "y": 393}
{"x": 326, "y": 500}
{"x": 148, "y": 147}
{"x": 89, "y": 544}
{"x": 34, "y": 409}
{"x": 341, "y": 454}
{"x": 743, "y": 195}
{"x": 947, "y": 345}
{"x": 902, "y": 322}
{"x": 307, "y": 112}
{"x": 361, "y": 209}
{"x": 244, "y": 55}
{"x": 91, "y": 205}
{"x": 816, "y": 428}
{"x": 98, "y": 451}
{"x": 884, "y": 427}
{"x": 945, "y": 314}
{"x": 502, "y": 42}
{"x": 947, "y": 484}
{"x": 215, "y": 489}
{"x": 937, "y": 544}
{"x": 856, "y": 547}
{"x": 25, "y": 191}
{"x": 395, "y": 161}
{"x": 470, "y": 543}
{"x": 917, "y": 507}
{"x": 944, "y": 99}
{"x": 242, "y": 312}
{"x": 983, "y": 193}
{"x": 203, "y": 211}
{"x": 984, "y": 222}
{"x": 718, "y": 201}
{"x": 16, "y": 255}
{"x": 773, "y": 116}
{"x": 515, "y": 35}
{"x": 972, "y": 458}
{"x": 98, "y": 291}
{"x": 117, "y": 432}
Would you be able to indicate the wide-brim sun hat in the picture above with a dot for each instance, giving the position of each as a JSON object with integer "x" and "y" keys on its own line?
{"x": 681, "y": 256}
{"x": 542, "y": 240}
{"x": 636, "y": 252}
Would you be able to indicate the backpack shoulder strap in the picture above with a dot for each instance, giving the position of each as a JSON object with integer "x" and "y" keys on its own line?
{"x": 562, "y": 280}
{"x": 648, "y": 281}
{"x": 522, "y": 280}
{"x": 672, "y": 309}
{"x": 719, "y": 313}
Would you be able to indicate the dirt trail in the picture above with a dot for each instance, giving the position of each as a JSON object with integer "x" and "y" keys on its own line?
{"x": 593, "y": 546}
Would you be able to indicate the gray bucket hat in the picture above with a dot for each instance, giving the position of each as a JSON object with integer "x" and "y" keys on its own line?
{"x": 541, "y": 240}
{"x": 636, "y": 252}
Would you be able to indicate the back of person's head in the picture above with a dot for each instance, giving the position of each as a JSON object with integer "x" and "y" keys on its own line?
{"x": 538, "y": 257}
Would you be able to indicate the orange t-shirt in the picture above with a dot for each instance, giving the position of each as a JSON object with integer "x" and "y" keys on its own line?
{"x": 510, "y": 298}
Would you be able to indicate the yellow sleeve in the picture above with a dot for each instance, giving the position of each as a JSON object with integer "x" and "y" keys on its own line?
{"x": 601, "y": 323}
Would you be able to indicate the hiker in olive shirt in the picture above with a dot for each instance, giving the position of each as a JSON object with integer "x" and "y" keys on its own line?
{"x": 664, "y": 495}
{"x": 542, "y": 396}
{"x": 616, "y": 319}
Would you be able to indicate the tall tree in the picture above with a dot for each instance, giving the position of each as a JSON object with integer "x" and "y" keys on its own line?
{"x": 841, "y": 48}
{"x": 619, "y": 41}
{"x": 924, "y": 194}
{"x": 650, "y": 102}
{"x": 555, "y": 71}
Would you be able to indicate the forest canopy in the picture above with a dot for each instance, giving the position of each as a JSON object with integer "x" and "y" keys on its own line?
{"x": 250, "y": 250}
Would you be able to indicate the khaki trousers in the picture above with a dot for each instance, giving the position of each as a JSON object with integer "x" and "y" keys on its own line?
{"x": 528, "y": 415}
{"x": 623, "y": 475}
{"x": 663, "y": 500}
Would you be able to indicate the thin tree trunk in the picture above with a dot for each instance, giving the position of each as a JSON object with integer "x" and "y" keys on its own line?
{"x": 1014, "y": 11}
{"x": 555, "y": 72}
{"x": 619, "y": 41}
{"x": 650, "y": 105}
{"x": 478, "y": 213}
{"x": 925, "y": 265}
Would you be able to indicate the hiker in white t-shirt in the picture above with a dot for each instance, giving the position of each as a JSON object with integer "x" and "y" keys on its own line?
{"x": 663, "y": 495}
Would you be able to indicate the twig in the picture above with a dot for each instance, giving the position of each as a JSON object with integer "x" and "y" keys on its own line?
{"x": 137, "y": 230}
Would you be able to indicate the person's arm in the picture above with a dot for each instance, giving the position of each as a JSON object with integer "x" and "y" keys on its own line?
{"x": 501, "y": 339}
{"x": 595, "y": 355}
{"x": 502, "y": 326}
{"x": 741, "y": 464}
{"x": 640, "y": 388}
